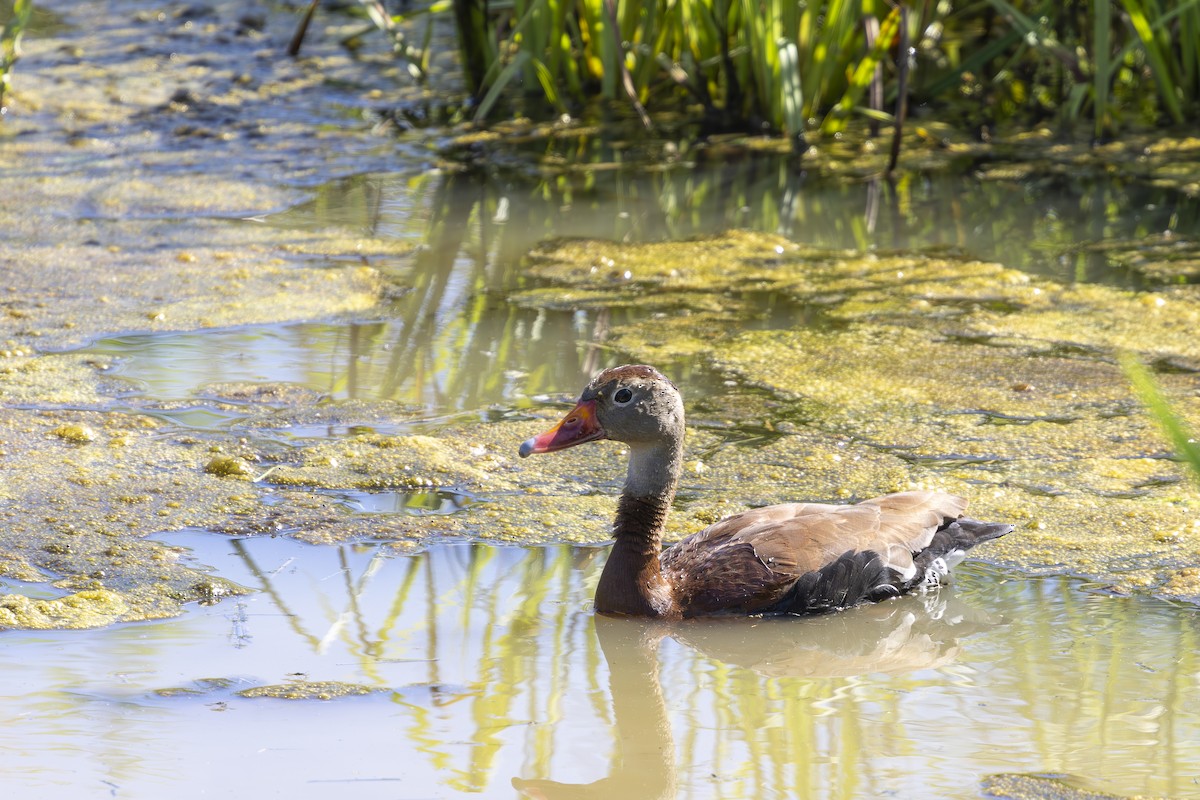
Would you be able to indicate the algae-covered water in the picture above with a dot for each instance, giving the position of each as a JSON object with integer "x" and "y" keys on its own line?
{"x": 267, "y": 350}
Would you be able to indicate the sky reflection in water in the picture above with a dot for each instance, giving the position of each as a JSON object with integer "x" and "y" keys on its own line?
{"x": 492, "y": 670}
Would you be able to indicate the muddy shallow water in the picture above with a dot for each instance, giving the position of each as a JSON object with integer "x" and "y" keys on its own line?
{"x": 466, "y": 670}
{"x": 238, "y": 304}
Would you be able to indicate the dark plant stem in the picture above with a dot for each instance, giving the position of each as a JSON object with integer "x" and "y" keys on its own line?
{"x": 302, "y": 29}
{"x": 471, "y": 18}
{"x": 901, "y": 91}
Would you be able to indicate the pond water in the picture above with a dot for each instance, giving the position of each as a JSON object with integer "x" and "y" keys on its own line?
{"x": 450, "y": 343}
{"x": 489, "y": 674}
{"x": 481, "y": 668}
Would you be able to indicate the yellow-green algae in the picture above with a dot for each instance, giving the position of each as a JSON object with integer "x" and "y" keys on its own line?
{"x": 411, "y": 462}
{"x": 228, "y": 467}
{"x": 76, "y": 434}
{"x": 92, "y": 608}
{"x": 930, "y": 147}
{"x": 309, "y": 690}
{"x": 144, "y": 172}
{"x": 1158, "y": 256}
{"x": 199, "y": 688}
{"x": 1046, "y": 787}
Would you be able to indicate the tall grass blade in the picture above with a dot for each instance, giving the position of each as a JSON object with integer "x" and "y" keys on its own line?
{"x": 791, "y": 90}
{"x": 476, "y": 51}
{"x": 10, "y": 43}
{"x": 901, "y": 92}
{"x": 297, "y": 41}
{"x": 502, "y": 80}
{"x": 863, "y": 74}
{"x": 1154, "y": 54}
{"x": 1147, "y": 390}
{"x": 1101, "y": 72}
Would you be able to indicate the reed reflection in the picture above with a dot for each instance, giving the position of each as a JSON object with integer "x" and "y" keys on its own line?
{"x": 455, "y": 341}
{"x": 450, "y": 340}
{"x": 1038, "y": 221}
{"x": 508, "y": 658}
{"x": 917, "y": 633}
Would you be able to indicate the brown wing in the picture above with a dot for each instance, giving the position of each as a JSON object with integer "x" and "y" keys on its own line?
{"x": 751, "y": 560}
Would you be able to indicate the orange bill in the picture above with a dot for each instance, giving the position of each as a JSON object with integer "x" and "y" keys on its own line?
{"x": 577, "y": 427}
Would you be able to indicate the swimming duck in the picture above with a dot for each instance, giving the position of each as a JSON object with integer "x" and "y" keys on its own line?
{"x": 792, "y": 558}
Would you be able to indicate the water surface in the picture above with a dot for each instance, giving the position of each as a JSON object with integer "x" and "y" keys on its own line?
{"x": 491, "y": 672}
{"x": 449, "y": 342}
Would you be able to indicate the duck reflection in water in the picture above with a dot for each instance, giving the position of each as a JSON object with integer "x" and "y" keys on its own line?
{"x": 913, "y": 633}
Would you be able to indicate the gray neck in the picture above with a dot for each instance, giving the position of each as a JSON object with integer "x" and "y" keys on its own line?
{"x": 632, "y": 581}
{"x": 654, "y": 470}
{"x": 649, "y": 489}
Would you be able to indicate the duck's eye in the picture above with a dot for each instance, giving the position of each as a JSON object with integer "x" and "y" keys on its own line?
{"x": 622, "y": 396}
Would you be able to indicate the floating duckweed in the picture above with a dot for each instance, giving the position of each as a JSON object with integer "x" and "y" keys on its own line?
{"x": 374, "y": 461}
{"x": 75, "y": 434}
{"x": 1042, "y": 787}
{"x": 90, "y": 608}
{"x": 211, "y": 592}
{"x": 309, "y": 690}
{"x": 197, "y": 689}
{"x": 178, "y": 691}
{"x": 228, "y": 467}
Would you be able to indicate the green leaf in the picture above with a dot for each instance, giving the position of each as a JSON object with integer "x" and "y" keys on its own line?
{"x": 502, "y": 80}
{"x": 1147, "y": 390}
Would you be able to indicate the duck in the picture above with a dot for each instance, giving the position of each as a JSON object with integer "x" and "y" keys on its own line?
{"x": 791, "y": 558}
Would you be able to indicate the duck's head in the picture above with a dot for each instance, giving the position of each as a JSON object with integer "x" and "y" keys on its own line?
{"x": 634, "y": 404}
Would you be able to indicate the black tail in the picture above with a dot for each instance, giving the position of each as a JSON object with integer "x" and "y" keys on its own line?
{"x": 971, "y": 531}
{"x": 863, "y": 576}
{"x": 957, "y": 537}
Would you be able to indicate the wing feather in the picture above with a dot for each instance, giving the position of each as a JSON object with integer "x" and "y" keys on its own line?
{"x": 755, "y": 557}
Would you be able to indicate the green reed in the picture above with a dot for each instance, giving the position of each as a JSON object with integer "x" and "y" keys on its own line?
{"x": 1110, "y": 60}
{"x": 789, "y": 68}
{"x": 1172, "y": 425}
{"x": 10, "y": 42}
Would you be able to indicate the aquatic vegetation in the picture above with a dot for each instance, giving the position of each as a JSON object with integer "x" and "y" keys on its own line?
{"x": 1173, "y": 427}
{"x": 309, "y": 690}
{"x": 793, "y": 68}
{"x": 10, "y": 43}
{"x": 91, "y": 608}
{"x": 228, "y": 467}
{"x": 76, "y": 434}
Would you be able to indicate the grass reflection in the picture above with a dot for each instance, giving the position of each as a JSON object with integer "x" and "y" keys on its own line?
{"x": 488, "y": 218}
{"x": 505, "y": 677}
{"x": 451, "y": 341}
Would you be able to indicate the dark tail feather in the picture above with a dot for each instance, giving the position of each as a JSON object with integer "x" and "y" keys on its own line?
{"x": 972, "y": 531}
{"x": 957, "y": 537}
